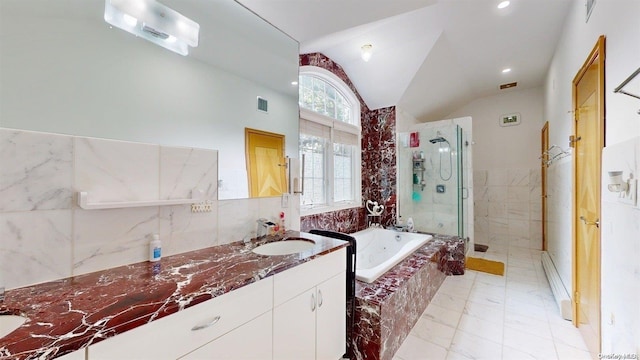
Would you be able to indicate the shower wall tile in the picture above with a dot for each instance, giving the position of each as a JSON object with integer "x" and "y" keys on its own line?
{"x": 518, "y": 177}
{"x": 35, "y": 247}
{"x": 498, "y": 177}
{"x": 115, "y": 237}
{"x": 479, "y": 178}
{"x": 518, "y": 194}
{"x": 504, "y": 214}
{"x": 36, "y": 171}
{"x": 111, "y": 170}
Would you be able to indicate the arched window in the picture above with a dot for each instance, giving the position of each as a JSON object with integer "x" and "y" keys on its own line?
{"x": 329, "y": 142}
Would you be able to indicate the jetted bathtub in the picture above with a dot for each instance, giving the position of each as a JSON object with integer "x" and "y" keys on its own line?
{"x": 380, "y": 249}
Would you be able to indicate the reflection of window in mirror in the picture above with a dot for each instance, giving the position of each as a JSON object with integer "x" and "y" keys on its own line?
{"x": 266, "y": 163}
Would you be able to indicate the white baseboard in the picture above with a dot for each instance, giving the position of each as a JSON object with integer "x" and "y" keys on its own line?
{"x": 560, "y": 293}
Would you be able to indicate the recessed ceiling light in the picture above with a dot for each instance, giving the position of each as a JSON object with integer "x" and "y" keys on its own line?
{"x": 504, "y": 71}
{"x": 294, "y": 83}
{"x": 366, "y": 51}
{"x": 503, "y": 4}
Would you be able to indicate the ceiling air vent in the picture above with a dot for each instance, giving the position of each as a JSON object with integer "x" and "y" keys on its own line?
{"x": 263, "y": 105}
{"x": 509, "y": 85}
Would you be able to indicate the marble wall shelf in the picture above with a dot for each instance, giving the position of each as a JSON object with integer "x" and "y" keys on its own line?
{"x": 387, "y": 309}
{"x": 83, "y": 202}
{"x": 72, "y": 313}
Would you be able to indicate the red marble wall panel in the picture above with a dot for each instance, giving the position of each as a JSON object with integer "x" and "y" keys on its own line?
{"x": 378, "y": 159}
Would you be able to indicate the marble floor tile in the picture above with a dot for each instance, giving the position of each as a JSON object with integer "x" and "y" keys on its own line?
{"x": 442, "y": 315}
{"x": 415, "y": 348}
{"x": 496, "y": 317}
{"x": 434, "y": 332}
{"x": 475, "y": 347}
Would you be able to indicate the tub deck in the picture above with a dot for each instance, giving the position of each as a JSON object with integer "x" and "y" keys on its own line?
{"x": 387, "y": 309}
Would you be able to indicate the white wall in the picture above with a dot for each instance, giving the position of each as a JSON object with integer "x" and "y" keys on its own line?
{"x": 506, "y": 180}
{"x": 618, "y": 21}
{"x": 88, "y": 79}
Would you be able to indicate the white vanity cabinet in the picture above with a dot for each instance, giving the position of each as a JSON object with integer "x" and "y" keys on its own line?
{"x": 310, "y": 310}
{"x": 179, "y": 334}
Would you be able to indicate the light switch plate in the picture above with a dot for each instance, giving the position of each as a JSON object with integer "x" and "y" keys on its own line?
{"x": 630, "y": 197}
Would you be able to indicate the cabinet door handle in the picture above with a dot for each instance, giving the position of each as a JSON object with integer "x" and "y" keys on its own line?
{"x": 206, "y": 324}
{"x": 319, "y": 298}
{"x": 313, "y": 303}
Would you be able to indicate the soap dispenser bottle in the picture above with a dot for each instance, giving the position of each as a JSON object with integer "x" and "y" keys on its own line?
{"x": 155, "y": 248}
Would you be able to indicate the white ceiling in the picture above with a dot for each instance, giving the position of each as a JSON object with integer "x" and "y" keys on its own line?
{"x": 430, "y": 56}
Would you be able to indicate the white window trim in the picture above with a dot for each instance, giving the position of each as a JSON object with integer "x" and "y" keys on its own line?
{"x": 338, "y": 125}
{"x": 338, "y": 84}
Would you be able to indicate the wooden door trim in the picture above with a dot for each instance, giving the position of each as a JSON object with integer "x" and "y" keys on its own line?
{"x": 597, "y": 53}
{"x": 544, "y": 157}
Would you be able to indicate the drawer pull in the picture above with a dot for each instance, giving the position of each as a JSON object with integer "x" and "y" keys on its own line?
{"x": 319, "y": 298}
{"x": 207, "y": 324}
{"x": 313, "y": 303}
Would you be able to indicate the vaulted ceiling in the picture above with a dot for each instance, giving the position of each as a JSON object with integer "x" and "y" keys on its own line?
{"x": 429, "y": 56}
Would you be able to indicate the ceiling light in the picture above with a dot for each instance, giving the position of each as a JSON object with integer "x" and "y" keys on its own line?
{"x": 154, "y": 22}
{"x": 366, "y": 51}
{"x": 294, "y": 83}
{"x": 504, "y": 71}
{"x": 503, "y": 4}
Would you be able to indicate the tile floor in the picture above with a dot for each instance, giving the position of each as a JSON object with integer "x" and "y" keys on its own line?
{"x": 484, "y": 316}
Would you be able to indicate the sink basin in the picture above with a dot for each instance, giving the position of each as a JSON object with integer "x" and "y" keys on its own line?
{"x": 285, "y": 247}
{"x": 8, "y": 323}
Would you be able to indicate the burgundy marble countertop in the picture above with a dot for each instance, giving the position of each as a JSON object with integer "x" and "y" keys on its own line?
{"x": 72, "y": 313}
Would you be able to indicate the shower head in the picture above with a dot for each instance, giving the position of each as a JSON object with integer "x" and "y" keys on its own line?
{"x": 438, "y": 139}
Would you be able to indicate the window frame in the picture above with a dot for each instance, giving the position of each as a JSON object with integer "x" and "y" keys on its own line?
{"x": 334, "y": 124}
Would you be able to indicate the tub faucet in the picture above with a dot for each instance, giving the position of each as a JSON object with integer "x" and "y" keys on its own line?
{"x": 1, "y": 294}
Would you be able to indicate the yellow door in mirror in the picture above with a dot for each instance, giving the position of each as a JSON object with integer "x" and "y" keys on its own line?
{"x": 266, "y": 164}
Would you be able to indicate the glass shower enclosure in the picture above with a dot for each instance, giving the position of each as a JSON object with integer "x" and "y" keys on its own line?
{"x": 432, "y": 187}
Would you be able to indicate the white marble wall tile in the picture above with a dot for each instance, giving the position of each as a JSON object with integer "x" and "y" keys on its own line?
{"x": 270, "y": 208}
{"x": 479, "y": 178}
{"x": 518, "y": 210}
{"x": 182, "y": 231}
{"x": 498, "y": 226}
{"x": 519, "y": 228}
{"x": 497, "y": 194}
{"x": 497, "y": 210}
{"x": 518, "y": 177}
{"x": 36, "y": 171}
{"x": 112, "y": 170}
{"x": 185, "y": 169}
{"x": 535, "y": 211}
{"x": 109, "y": 238}
{"x": 498, "y": 177}
{"x": 238, "y": 219}
{"x": 518, "y": 194}
{"x": 35, "y": 247}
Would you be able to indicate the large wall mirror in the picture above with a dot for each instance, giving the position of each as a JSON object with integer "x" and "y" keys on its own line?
{"x": 63, "y": 69}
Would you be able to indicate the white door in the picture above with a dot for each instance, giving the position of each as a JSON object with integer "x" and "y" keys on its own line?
{"x": 294, "y": 328}
{"x": 331, "y": 318}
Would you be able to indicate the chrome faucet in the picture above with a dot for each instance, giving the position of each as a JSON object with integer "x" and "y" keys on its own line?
{"x": 263, "y": 227}
{"x": 1, "y": 294}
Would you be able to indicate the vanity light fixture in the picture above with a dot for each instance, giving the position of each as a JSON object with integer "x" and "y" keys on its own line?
{"x": 366, "y": 51}
{"x": 154, "y": 22}
{"x": 503, "y": 4}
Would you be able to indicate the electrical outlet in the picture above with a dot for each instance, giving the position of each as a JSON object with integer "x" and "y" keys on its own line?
{"x": 285, "y": 201}
{"x": 204, "y": 206}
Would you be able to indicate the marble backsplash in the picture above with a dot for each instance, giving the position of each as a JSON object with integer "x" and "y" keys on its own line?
{"x": 46, "y": 236}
